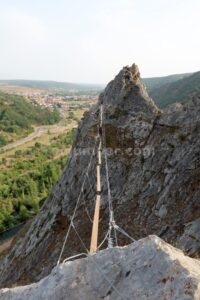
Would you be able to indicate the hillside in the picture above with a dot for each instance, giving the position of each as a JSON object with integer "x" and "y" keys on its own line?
{"x": 17, "y": 117}
{"x": 156, "y": 82}
{"x": 30, "y": 166}
{"x": 53, "y": 85}
{"x": 153, "y": 162}
{"x": 27, "y": 177}
{"x": 151, "y": 83}
{"x": 181, "y": 90}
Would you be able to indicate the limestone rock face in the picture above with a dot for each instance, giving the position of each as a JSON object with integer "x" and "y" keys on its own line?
{"x": 154, "y": 170}
{"x": 189, "y": 240}
{"x": 147, "y": 269}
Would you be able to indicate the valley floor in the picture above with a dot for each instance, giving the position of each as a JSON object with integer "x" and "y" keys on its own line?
{"x": 38, "y": 132}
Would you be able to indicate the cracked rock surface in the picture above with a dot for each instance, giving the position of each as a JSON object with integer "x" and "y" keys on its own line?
{"x": 147, "y": 269}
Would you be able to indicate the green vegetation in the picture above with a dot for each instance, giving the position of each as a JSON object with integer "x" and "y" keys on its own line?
{"x": 27, "y": 177}
{"x": 17, "y": 117}
{"x": 157, "y": 82}
{"x": 3, "y": 140}
{"x": 179, "y": 91}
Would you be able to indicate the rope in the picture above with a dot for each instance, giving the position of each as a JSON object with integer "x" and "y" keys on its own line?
{"x": 78, "y": 200}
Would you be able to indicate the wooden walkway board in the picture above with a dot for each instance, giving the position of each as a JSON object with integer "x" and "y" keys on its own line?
{"x": 95, "y": 227}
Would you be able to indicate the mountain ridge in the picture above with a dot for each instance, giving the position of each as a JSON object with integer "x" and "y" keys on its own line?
{"x": 181, "y": 90}
{"x": 51, "y": 84}
{"x": 158, "y": 81}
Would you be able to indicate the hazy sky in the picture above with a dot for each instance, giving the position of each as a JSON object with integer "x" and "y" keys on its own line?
{"x": 91, "y": 40}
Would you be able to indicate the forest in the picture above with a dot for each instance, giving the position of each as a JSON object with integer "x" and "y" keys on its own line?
{"x": 26, "y": 180}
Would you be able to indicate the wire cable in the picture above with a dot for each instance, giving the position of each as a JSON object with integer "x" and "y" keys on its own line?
{"x": 82, "y": 242}
{"x": 106, "y": 236}
{"x": 124, "y": 232}
{"x": 77, "y": 203}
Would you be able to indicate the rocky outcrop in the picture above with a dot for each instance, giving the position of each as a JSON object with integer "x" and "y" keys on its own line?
{"x": 148, "y": 269}
{"x": 154, "y": 161}
{"x": 190, "y": 239}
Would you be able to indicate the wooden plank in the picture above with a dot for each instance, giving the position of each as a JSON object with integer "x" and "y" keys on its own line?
{"x": 99, "y": 153}
{"x": 95, "y": 228}
{"x": 98, "y": 179}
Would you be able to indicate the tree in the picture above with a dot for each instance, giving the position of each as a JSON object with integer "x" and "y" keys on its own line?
{"x": 23, "y": 213}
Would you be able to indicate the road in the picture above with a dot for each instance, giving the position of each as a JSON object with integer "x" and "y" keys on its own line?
{"x": 37, "y": 133}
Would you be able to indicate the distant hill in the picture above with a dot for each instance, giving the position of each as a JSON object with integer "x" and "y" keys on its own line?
{"x": 52, "y": 85}
{"x": 180, "y": 90}
{"x": 17, "y": 116}
{"x": 163, "y": 90}
{"x": 156, "y": 82}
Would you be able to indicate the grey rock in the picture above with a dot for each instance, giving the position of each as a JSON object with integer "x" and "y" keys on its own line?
{"x": 190, "y": 239}
{"x": 147, "y": 269}
{"x": 162, "y": 211}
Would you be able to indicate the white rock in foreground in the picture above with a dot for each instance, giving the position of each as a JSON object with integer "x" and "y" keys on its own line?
{"x": 146, "y": 269}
